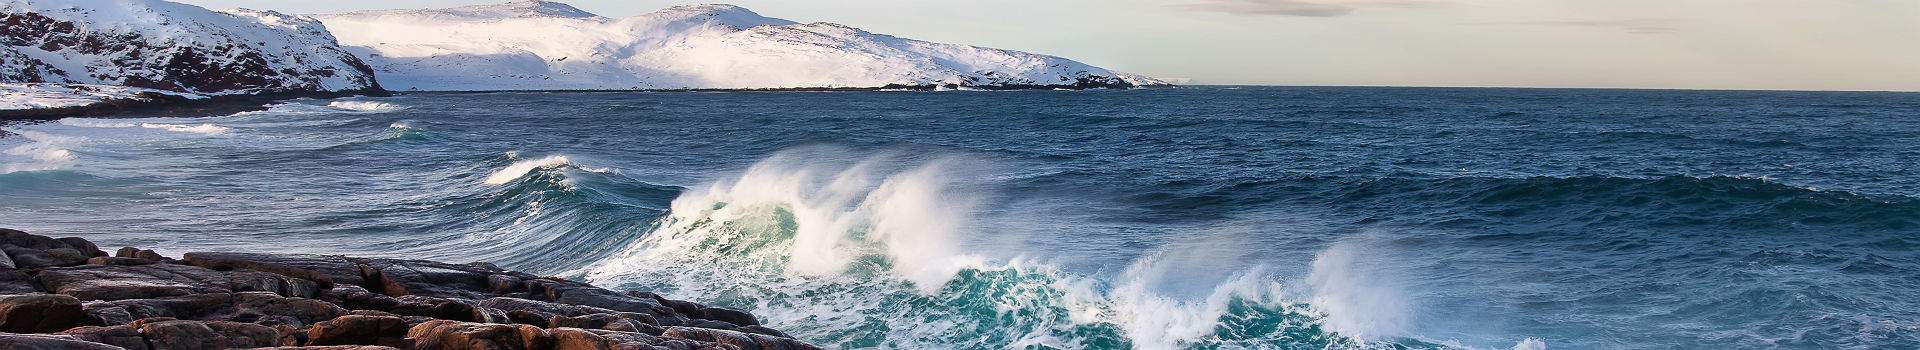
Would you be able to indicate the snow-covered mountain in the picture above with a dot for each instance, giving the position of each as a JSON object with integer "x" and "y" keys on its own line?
{"x": 175, "y": 47}
{"x": 540, "y": 45}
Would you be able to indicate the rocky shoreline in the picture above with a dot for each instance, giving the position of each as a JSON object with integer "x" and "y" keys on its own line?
{"x": 66, "y": 293}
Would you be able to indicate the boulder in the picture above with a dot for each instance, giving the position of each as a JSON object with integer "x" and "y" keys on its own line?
{"x": 596, "y": 339}
{"x": 455, "y": 335}
{"x": 336, "y": 347}
{"x": 756, "y": 329}
{"x": 729, "y": 315}
{"x": 426, "y": 278}
{"x": 360, "y": 330}
{"x": 35, "y": 251}
{"x": 745, "y": 341}
{"x": 124, "y": 336}
{"x": 196, "y": 306}
{"x": 195, "y": 335}
{"x": 323, "y": 269}
{"x": 271, "y": 309}
{"x": 109, "y": 282}
{"x": 17, "y": 282}
{"x": 40, "y": 313}
{"x": 106, "y": 314}
{"x": 248, "y": 280}
{"x": 114, "y": 260}
{"x": 49, "y": 342}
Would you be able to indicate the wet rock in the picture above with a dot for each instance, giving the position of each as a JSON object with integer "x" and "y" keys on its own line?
{"x": 323, "y": 269}
{"x": 121, "y": 335}
{"x": 610, "y": 300}
{"x": 40, "y": 313}
{"x": 105, "y": 282}
{"x": 360, "y": 330}
{"x": 746, "y": 341}
{"x": 49, "y": 342}
{"x": 455, "y": 335}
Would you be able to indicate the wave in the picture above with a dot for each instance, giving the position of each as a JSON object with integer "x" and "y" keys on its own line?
{"x": 874, "y": 254}
{"x": 520, "y": 168}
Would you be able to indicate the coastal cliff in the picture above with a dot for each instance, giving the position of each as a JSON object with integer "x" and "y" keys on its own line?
{"x": 66, "y": 293}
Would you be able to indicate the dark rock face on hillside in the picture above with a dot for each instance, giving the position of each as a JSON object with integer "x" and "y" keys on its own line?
{"x": 174, "y": 47}
{"x": 68, "y": 294}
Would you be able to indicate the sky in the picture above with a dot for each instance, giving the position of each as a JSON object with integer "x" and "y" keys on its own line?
{"x": 1685, "y": 44}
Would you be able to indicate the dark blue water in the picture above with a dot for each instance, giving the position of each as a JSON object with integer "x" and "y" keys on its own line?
{"x": 1209, "y": 217}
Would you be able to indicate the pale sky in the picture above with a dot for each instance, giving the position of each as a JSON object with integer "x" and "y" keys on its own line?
{"x": 1692, "y": 44}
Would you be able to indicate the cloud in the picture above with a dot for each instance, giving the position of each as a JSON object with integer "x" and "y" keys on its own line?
{"x": 1635, "y": 26}
{"x": 1303, "y": 8}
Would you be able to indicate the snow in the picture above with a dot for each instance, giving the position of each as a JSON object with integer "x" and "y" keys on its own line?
{"x": 17, "y": 96}
{"x": 135, "y": 42}
{"x": 539, "y": 45}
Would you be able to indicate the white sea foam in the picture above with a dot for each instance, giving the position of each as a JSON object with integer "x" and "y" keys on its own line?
{"x": 1531, "y": 344}
{"x": 365, "y": 106}
{"x": 521, "y": 168}
{"x": 203, "y": 128}
{"x": 37, "y": 156}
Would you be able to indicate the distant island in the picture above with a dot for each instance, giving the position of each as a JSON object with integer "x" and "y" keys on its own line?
{"x": 63, "y": 58}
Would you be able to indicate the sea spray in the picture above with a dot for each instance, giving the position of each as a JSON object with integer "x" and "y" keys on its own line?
{"x": 1357, "y": 299}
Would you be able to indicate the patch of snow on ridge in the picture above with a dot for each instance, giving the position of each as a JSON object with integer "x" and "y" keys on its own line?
{"x": 172, "y": 46}
{"x": 550, "y": 46}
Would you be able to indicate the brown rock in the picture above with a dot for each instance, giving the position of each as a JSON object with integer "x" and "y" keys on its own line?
{"x": 323, "y": 269}
{"x": 336, "y": 347}
{"x": 359, "y": 330}
{"x": 49, "y": 342}
{"x": 455, "y": 335}
{"x": 122, "y": 336}
{"x": 106, "y": 282}
{"x": 110, "y": 260}
{"x": 40, "y": 313}
{"x": 106, "y": 314}
{"x": 272, "y": 309}
{"x": 197, "y": 306}
{"x": 745, "y": 341}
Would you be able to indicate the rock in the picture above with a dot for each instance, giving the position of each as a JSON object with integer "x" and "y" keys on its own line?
{"x": 81, "y": 245}
{"x": 126, "y": 252}
{"x": 606, "y": 299}
{"x": 17, "y": 282}
{"x": 455, "y": 335}
{"x": 594, "y": 339}
{"x": 40, "y": 313}
{"x": 714, "y": 324}
{"x": 6, "y": 262}
{"x": 271, "y": 309}
{"x": 360, "y": 330}
{"x": 195, "y": 335}
{"x": 106, "y": 282}
{"x": 745, "y": 341}
{"x": 757, "y": 329}
{"x": 49, "y": 342}
{"x": 121, "y": 335}
{"x": 197, "y": 306}
{"x": 730, "y": 315}
{"x": 426, "y": 278}
{"x": 110, "y": 260}
{"x": 248, "y": 280}
{"x": 28, "y": 258}
{"x": 445, "y": 309}
{"x": 338, "y": 347}
{"x": 35, "y": 251}
{"x": 106, "y": 314}
{"x": 324, "y": 269}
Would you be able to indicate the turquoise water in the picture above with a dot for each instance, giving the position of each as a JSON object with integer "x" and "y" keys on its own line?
{"x": 1196, "y": 218}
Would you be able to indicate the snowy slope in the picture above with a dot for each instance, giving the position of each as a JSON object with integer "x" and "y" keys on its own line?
{"x": 538, "y": 45}
{"x": 171, "y": 46}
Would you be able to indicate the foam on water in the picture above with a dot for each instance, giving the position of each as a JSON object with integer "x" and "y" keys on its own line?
{"x": 365, "y": 106}
{"x": 520, "y": 168}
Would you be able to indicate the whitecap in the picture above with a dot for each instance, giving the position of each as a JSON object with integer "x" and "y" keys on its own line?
{"x": 521, "y": 168}
{"x": 365, "y": 106}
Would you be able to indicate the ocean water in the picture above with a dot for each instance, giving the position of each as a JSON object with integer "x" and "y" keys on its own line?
{"x": 1194, "y": 218}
